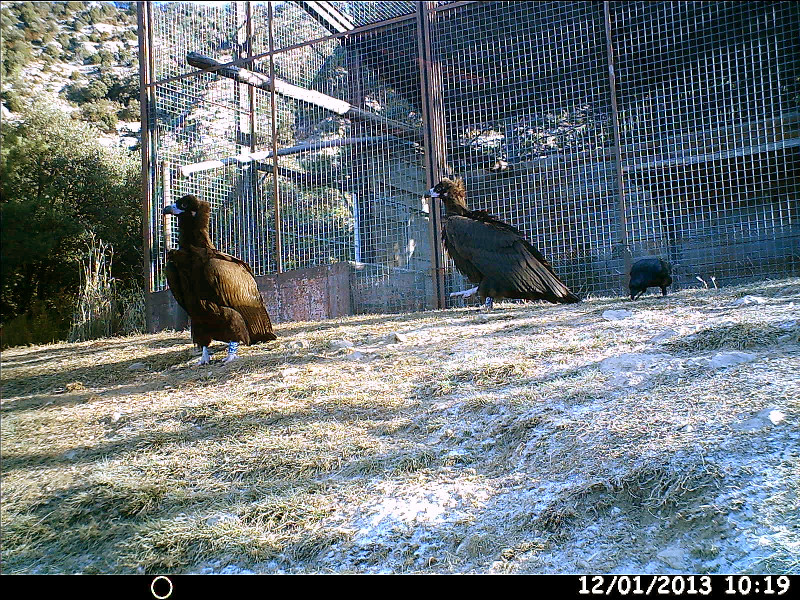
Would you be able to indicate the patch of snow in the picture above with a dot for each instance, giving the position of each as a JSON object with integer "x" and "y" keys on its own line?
{"x": 107, "y": 28}
{"x": 221, "y": 518}
{"x": 765, "y": 418}
{"x": 664, "y": 335}
{"x": 674, "y": 557}
{"x": 235, "y": 570}
{"x": 749, "y": 301}
{"x": 631, "y": 362}
{"x": 340, "y": 344}
{"x": 722, "y": 360}
{"x": 616, "y": 315}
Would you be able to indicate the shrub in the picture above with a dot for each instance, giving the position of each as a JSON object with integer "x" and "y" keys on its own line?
{"x": 101, "y": 112}
{"x": 41, "y": 325}
{"x": 60, "y": 186}
{"x": 53, "y": 51}
{"x": 96, "y": 307}
{"x": 132, "y": 112}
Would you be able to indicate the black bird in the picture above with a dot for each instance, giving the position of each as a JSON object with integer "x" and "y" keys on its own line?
{"x": 494, "y": 254}
{"x": 217, "y": 290}
{"x": 650, "y": 272}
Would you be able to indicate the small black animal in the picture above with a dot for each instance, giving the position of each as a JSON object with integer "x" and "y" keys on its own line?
{"x": 650, "y": 272}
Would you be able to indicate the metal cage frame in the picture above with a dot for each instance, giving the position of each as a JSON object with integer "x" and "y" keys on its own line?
{"x": 605, "y": 131}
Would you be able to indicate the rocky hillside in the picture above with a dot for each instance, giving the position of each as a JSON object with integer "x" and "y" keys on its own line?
{"x": 81, "y": 56}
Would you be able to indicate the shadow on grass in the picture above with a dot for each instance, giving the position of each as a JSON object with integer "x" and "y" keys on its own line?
{"x": 110, "y": 379}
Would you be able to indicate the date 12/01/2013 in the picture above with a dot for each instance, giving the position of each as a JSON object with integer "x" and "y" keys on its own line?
{"x": 677, "y": 585}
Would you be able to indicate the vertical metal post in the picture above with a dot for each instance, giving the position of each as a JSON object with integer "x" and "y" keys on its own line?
{"x": 622, "y": 220}
{"x": 242, "y": 100}
{"x": 274, "y": 119}
{"x": 434, "y": 143}
{"x": 251, "y": 90}
{"x": 255, "y": 237}
{"x": 166, "y": 195}
{"x": 145, "y": 74}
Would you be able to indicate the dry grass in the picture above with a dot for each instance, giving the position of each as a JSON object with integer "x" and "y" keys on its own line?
{"x": 739, "y": 336}
{"x": 474, "y": 444}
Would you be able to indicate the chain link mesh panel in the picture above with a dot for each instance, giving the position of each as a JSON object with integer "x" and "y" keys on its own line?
{"x": 332, "y": 185}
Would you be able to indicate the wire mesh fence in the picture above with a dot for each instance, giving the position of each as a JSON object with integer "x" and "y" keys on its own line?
{"x": 604, "y": 131}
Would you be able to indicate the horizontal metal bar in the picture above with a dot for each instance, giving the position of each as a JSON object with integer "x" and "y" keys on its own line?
{"x": 284, "y": 88}
{"x": 206, "y": 165}
{"x": 245, "y": 61}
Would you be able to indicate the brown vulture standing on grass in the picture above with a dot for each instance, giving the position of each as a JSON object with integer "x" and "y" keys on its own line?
{"x": 217, "y": 290}
{"x": 494, "y": 254}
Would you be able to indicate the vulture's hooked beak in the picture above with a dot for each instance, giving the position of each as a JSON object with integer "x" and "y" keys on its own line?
{"x": 432, "y": 193}
{"x": 172, "y": 209}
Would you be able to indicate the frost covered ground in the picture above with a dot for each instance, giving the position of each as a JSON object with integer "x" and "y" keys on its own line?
{"x": 661, "y": 435}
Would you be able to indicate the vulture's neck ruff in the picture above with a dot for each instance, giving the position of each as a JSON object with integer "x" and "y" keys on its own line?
{"x": 454, "y": 196}
{"x": 193, "y": 226}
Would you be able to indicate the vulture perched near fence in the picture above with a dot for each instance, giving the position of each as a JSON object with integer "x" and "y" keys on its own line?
{"x": 217, "y": 290}
{"x": 494, "y": 254}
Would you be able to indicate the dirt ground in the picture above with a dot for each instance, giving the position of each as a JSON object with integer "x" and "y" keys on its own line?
{"x": 656, "y": 436}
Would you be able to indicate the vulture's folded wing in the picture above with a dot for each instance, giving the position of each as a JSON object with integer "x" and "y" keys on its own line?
{"x": 232, "y": 284}
{"x": 463, "y": 264}
{"x": 502, "y": 255}
{"x": 177, "y": 270}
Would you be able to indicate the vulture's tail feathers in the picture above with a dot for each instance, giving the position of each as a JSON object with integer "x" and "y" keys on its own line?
{"x": 258, "y": 324}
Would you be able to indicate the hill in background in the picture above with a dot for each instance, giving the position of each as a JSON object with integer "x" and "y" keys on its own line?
{"x": 82, "y": 56}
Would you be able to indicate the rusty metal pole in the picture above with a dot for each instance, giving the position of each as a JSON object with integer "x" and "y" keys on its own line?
{"x": 145, "y": 74}
{"x": 434, "y": 143}
{"x": 622, "y": 219}
{"x": 274, "y": 119}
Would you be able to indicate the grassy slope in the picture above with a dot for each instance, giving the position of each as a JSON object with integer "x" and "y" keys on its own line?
{"x": 472, "y": 443}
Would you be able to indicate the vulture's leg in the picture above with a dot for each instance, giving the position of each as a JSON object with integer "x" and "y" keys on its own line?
{"x": 205, "y": 359}
{"x": 465, "y": 293}
{"x": 232, "y": 347}
{"x": 663, "y": 290}
{"x": 488, "y": 304}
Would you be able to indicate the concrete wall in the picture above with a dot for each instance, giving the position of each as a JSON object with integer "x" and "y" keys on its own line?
{"x": 303, "y": 295}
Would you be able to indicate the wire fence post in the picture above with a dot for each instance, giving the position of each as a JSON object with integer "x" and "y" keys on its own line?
{"x": 145, "y": 93}
{"x": 274, "y": 126}
{"x": 622, "y": 220}
{"x": 434, "y": 142}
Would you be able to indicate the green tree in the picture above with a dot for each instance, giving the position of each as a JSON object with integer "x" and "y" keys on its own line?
{"x": 59, "y": 186}
{"x": 102, "y": 112}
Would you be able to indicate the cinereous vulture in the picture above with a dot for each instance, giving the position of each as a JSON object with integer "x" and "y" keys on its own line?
{"x": 217, "y": 290}
{"x": 493, "y": 254}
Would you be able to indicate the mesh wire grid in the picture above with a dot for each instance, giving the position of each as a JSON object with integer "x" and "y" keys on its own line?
{"x": 365, "y": 13}
{"x": 706, "y": 172}
{"x": 526, "y": 84}
{"x": 709, "y": 123}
